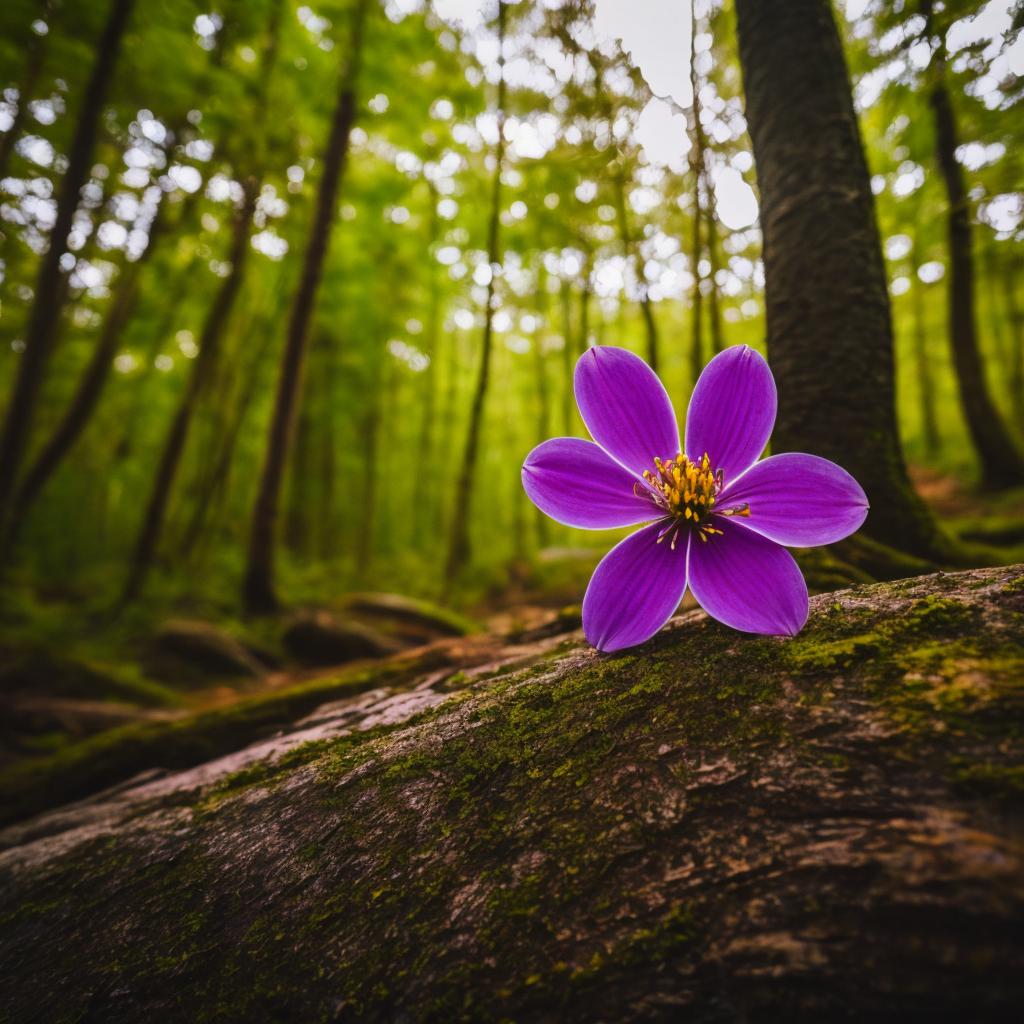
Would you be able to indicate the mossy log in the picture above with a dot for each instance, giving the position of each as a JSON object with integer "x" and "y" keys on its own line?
{"x": 713, "y": 827}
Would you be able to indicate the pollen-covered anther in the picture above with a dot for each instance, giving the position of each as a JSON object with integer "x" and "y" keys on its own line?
{"x": 686, "y": 490}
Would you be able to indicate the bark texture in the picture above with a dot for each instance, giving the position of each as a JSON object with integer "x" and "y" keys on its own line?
{"x": 712, "y": 827}
{"x": 830, "y": 340}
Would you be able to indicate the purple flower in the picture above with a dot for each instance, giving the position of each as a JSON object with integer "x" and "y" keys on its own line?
{"x": 717, "y": 518}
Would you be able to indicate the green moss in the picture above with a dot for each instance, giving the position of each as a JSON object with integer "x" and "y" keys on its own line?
{"x": 34, "y": 785}
{"x": 1003, "y": 782}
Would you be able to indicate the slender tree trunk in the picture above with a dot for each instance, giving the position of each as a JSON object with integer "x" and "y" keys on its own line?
{"x": 714, "y": 307}
{"x": 828, "y": 317}
{"x": 35, "y": 58}
{"x": 297, "y": 524}
{"x": 91, "y": 384}
{"x": 697, "y": 241}
{"x": 540, "y": 377}
{"x": 370, "y": 434}
{"x": 697, "y": 298}
{"x": 327, "y": 545}
{"x": 458, "y": 542}
{"x": 199, "y": 376}
{"x": 631, "y": 250}
{"x": 583, "y": 340}
{"x": 217, "y": 480}
{"x": 568, "y": 398}
{"x": 425, "y": 515}
{"x": 923, "y": 367}
{"x": 1002, "y": 462}
{"x": 49, "y": 291}
{"x": 258, "y": 589}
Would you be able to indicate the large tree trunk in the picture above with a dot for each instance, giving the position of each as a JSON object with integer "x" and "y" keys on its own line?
{"x": 1002, "y": 462}
{"x": 49, "y": 290}
{"x": 200, "y": 373}
{"x": 258, "y": 592}
{"x": 830, "y": 339}
{"x": 810, "y": 830}
{"x": 458, "y": 539}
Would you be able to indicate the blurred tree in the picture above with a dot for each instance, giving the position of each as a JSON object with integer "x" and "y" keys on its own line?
{"x": 1002, "y": 461}
{"x": 258, "y": 589}
{"x": 48, "y": 300}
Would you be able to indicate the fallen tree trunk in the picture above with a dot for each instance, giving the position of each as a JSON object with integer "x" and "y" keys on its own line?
{"x": 713, "y": 827}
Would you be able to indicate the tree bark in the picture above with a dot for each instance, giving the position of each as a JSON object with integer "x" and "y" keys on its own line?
{"x": 49, "y": 290}
{"x": 776, "y": 831}
{"x": 1002, "y": 463}
{"x": 258, "y": 591}
{"x": 830, "y": 342}
{"x": 459, "y": 551}
{"x": 199, "y": 376}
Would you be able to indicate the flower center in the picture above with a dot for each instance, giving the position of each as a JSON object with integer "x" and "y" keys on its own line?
{"x": 686, "y": 493}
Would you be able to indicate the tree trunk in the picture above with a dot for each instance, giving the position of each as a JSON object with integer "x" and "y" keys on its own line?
{"x": 1002, "y": 462}
{"x": 773, "y": 831}
{"x": 199, "y": 375}
{"x": 583, "y": 339}
{"x": 49, "y": 291}
{"x": 258, "y": 590}
{"x": 568, "y": 398}
{"x": 631, "y": 251}
{"x": 425, "y": 521}
{"x": 696, "y": 239}
{"x": 714, "y": 308}
{"x": 829, "y": 328}
{"x": 458, "y": 542}
{"x": 923, "y": 366}
{"x": 540, "y": 377}
{"x": 91, "y": 384}
{"x": 217, "y": 480}
{"x": 370, "y": 481}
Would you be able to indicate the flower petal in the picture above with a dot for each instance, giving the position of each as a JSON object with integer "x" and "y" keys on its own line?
{"x": 635, "y": 589}
{"x": 577, "y": 484}
{"x": 748, "y": 582}
{"x": 625, "y": 407}
{"x": 798, "y": 499}
{"x": 732, "y": 411}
